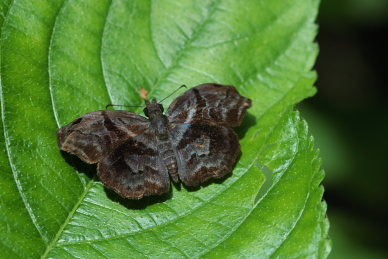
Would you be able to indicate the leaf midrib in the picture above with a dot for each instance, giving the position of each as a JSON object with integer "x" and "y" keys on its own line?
{"x": 68, "y": 219}
{"x": 188, "y": 212}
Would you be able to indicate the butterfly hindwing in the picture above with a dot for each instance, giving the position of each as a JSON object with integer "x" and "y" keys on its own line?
{"x": 204, "y": 151}
{"x": 134, "y": 170}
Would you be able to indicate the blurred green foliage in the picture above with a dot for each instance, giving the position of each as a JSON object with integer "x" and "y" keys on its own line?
{"x": 334, "y": 12}
{"x": 348, "y": 118}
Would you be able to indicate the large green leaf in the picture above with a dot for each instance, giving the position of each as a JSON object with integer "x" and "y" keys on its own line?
{"x": 61, "y": 59}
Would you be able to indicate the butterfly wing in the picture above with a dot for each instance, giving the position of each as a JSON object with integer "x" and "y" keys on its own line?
{"x": 220, "y": 104}
{"x": 135, "y": 170}
{"x": 204, "y": 151}
{"x": 123, "y": 145}
{"x": 95, "y": 135}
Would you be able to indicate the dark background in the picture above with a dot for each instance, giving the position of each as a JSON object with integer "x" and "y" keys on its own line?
{"x": 349, "y": 120}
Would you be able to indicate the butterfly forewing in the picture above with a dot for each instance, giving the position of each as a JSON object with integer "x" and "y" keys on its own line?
{"x": 95, "y": 135}
{"x": 220, "y": 104}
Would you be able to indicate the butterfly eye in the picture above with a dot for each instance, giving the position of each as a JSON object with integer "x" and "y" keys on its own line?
{"x": 161, "y": 107}
{"x": 145, "y": 112}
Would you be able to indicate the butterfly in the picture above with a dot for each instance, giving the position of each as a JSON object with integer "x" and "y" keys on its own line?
{"x": 136, "y": 156}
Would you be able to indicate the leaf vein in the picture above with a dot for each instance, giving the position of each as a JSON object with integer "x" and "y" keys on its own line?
{"x": 7, "y": 140}
{"x": 238, "y": 225}
{"x": 69, "y": 217}
{"x": 186, "y": 46}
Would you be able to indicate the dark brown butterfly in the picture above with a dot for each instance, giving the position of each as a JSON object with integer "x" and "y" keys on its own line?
{"x": 194, "y": 142}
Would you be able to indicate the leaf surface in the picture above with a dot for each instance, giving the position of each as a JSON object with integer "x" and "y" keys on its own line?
{"x": 63, "y": 58}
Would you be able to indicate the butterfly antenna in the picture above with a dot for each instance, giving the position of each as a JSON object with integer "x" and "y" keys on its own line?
{"x": 182, "y": 86}
{"x": 128, "y": 106}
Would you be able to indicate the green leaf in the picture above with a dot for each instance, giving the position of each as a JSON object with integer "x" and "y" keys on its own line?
{"x": 61, "y": 59}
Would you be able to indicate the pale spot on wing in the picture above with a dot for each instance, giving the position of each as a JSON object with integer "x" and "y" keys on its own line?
{"x": 190, "y": 115}
{"x": 131, "y": 134}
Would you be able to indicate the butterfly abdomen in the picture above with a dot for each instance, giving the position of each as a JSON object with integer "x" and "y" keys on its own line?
{"x": 167, "y": 155}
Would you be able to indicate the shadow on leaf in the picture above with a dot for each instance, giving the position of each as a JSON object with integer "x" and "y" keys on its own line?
{"x": 207, "y": 183}
{"x": 137, "y": 204}
{"x": 79, "y": 165}
{"x": 248, "y": 122}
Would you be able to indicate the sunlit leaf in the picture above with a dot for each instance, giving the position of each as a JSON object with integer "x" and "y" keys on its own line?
{"x": 61, "y": 59}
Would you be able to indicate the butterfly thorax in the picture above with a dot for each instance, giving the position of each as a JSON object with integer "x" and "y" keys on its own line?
{"x": 159, "y": 121}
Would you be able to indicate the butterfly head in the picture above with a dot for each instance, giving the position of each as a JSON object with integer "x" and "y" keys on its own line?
{"x": 153, "y": 107}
